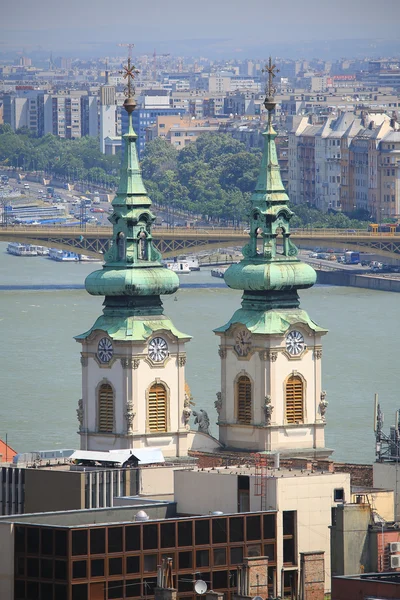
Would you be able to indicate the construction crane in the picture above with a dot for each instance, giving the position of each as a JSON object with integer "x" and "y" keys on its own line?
{"x": 155, "y": 63}
{"x": 129, "y": 46}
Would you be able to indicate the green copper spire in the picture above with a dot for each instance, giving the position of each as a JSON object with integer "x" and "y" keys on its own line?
{"x": 133, "y": 276}
{"x": 270, "y": 273}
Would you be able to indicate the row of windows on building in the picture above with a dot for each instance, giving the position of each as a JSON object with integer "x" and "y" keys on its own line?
{"x": 157, "y": 404}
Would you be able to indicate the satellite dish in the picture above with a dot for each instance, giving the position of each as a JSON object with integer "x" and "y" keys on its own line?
{"x": 258, "y": 598}
{"x": 200, "y": 587}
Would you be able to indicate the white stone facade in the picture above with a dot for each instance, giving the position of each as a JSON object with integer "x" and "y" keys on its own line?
{"x": 131, "y": 373}
{"x": 268, "y": 365}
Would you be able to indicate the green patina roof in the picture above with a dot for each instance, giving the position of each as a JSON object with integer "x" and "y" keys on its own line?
{"x": 270, "y": 274}
{"x": 133, "y": 328}
{"x": 272, "y": 321}
{"x": 248, "y": 275}
{"x": 133, "y": 276}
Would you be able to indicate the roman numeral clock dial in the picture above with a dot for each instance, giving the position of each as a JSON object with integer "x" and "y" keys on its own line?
{"x": 295, "y": 343}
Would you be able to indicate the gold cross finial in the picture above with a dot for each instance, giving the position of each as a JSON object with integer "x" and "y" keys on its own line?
{"x": 271, "y": 70}
{"x": 129, "y": 71}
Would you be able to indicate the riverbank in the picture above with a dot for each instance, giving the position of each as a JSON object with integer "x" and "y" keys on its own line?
{"x": 383, "y": 283}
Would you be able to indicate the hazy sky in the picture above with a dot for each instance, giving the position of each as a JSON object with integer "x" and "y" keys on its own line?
{"x": 242, "y": 22}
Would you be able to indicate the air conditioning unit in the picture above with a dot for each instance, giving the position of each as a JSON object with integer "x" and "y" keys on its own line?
{"x": 394, "y": 562}
{"x": 394, "y": 547}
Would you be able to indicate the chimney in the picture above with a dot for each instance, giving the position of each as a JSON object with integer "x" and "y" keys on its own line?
{"x": 252, "y": 578}
{"x": 312, "y": 575}
{"x": 165, "y": 589}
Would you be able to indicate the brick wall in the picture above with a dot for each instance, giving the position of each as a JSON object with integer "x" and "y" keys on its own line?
{"x": 313, "y": 575}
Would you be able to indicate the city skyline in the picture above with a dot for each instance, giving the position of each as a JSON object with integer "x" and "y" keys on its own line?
{"x": 221, "y": 29}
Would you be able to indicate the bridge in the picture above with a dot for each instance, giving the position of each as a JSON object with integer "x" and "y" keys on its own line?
{"x": 94, "y": 241}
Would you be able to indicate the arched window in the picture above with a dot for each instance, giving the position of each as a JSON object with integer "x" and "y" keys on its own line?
{"x": 157, "y": 408}
{"x": 244, "y": 400}
{"x": 106, "y": 408}
{"x": 294, "y": 396}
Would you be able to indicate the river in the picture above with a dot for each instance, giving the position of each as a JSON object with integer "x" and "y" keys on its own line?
{"x": 40, "y": 373}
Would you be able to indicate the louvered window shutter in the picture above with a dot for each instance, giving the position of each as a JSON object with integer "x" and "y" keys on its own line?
{"x": 294, "y": 400}
{"x": 106, "y": 408}
{"x": 157, "y": 408}
{"x": 244, "y": 400}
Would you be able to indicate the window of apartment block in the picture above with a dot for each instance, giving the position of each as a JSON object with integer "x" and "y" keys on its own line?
{"x": 338, "y": 495}
{"x": 47, "y": 546}
{"x": 185, "y": 560}
{"x": 133, "y": 564}
{"x": 289, "y": 537}
{"x": 167, "y": 531}
{"x": 202, "y": 532}
{"x": 115, "y": 566}
{"x": 132, "y": 538}
{"x": 79, "y": 569}
{"x": 219, "y": 531}
{"x": 185, "y": 537}
{"x": 133, "y": 588}
{"x": 79, "y": 542}
{"x": 236, "y": 529}
{"x": 97, "y": 541}
{"x": 150, "y": 537}
{"x": 253, "y": 528}
{"x": 97, "y": 567}
{"x": 114, "y": 539}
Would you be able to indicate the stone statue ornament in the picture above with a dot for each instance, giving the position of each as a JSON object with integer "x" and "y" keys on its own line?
{"x": 323, "y": 405}
{"x": 79, "y": 413}
{"x": 129, "y": 417}
{"x": 268, "y": 409}
{"x": 187, "y": 403}
{"x": 218, "y": 402}
{"x": 202, "y": 420}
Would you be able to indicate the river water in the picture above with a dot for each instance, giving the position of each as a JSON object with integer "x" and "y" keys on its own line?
{"x": 40, "y": 367}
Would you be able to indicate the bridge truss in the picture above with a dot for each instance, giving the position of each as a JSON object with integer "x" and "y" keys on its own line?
{"x": 95, "y": 241}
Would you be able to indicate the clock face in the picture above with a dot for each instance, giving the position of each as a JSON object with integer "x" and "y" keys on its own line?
{"x": 243, "y": 342}
{"x": 105, "y": 350}
{"x": 158, "y": 349}
{"x": 295, "y": 343}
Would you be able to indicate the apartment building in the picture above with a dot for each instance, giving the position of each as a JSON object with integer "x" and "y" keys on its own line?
{"x": 346, "y": 163}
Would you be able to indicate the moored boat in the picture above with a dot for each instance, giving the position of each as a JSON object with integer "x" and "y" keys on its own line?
{"x": 63, "y": 255}
{"x": 18, "y": 249}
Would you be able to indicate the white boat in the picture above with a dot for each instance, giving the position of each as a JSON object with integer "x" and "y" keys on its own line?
{"x": 178, "y": 266}
{"x": 192, "y": 262}
{"x": 18, "y": 249}
{"x": 86, "y": 258}
{"x": 63, "y": 255}
{"x": 41, "y": 250}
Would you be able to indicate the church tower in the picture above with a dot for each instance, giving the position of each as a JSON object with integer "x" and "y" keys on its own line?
{"x": 271, "y": 397}
{"x": 133, "y": 358}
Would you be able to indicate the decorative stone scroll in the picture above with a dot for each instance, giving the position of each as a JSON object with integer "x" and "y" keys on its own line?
{"x": 222, "y": 352}
{"x": 84, "y": 361}
{"x": 182, "y": 360}
{"x": 318, "y": 353}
